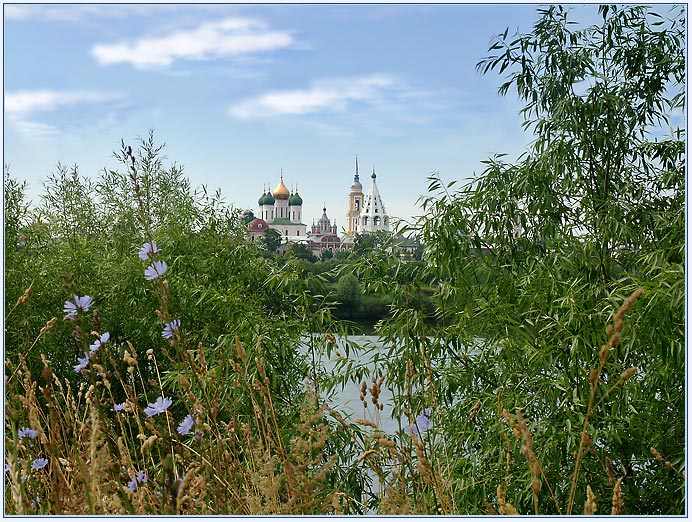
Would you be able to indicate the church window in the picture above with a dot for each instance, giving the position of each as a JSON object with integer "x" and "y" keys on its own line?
{"x": 376, "y": 220}
{"x": 287, "y": 232}
{"x": 357, "y": 204}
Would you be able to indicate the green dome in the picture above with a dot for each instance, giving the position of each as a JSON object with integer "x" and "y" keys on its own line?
{"x": 260, "y": 201}
{"x": 295, "y": 199}
{"x": 269, "y": 199}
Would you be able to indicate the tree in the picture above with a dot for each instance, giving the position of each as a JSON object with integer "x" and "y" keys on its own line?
{"x": 248, "y": 216}
{"x": 369, "y": 241}
{"x": 271, "y": 240}
{"x": 348, "y": 293}
{"x": 530, "y": 262}
{"x": 300, "y": 251}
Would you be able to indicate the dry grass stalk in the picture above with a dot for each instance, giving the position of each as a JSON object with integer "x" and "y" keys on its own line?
{"x": 614, "y": 338}
{"x": 590, "y": 506}
{"x": 22, "y": 299}
{"x": 475, "y": 409}
{"x": 669, "y": 464}
{"x": 617, "y": 498}
{"x": 505, "y": 507}
{"x": 534, "y": 465}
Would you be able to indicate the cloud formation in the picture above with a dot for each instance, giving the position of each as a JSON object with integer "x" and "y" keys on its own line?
{"x": 22, "y": 107}
{"x": 322, "y": 96}
{"x": 228, "y": 37}
{"x": 73, "y": 13}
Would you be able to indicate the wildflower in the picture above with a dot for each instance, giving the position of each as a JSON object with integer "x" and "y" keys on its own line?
{"x": 157, "y": 407}
{"x": 422, "y": 423}
{"x": 101, "y": 341}
{"x": 171, "y": 329}
{"x": 118, "y": 407}
{"x": 39, "y": 464}
{"x": 83, "y": 363}
{"x": 140, "y": 478}
{"x": 7, "y": 467}
{"x": 26, "y": 432}
{"x": 148, "y": 250}
{"x": 155, "y": 270}
{"x": 35, "y": 502}
{"x": 185, "y": 426}
{"x": 80, "y": 304}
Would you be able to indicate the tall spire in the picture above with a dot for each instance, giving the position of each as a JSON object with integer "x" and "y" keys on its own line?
{"x": 356, "y": 166}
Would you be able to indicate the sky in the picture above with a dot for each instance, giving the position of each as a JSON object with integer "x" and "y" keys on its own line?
{"x": 241, "y": 93}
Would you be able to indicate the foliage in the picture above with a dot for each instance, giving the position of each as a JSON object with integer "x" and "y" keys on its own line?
{"x": 271, "y": 239}
{"x": 301, "y": 251}
{"x": 535, "y": 353}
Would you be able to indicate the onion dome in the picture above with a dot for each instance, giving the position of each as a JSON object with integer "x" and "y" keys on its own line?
{"x": 281, "y": 192}
{"x": 295, "y": 199}
{"x": 373, "y": 173}
{"x": 269, "y": 199}
{"x": 260, "y": 201}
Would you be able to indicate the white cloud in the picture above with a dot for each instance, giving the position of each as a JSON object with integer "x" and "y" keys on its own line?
{"x": 75, "y": 13}
{"x": 23, "y": 103}
{"x": 23, "y": 107}
{"x": 228, "y": 37}
{"x": 323, "y": 95}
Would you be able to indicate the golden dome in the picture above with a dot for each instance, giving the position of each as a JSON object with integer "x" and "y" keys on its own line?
{"x": 281, "y": 192}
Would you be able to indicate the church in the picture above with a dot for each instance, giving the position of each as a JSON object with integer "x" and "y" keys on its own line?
{"x": 365, "y": 213}
{"x": 281, "y": 210}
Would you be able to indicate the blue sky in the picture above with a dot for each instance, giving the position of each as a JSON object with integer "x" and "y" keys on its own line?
{"x": 238, "y": 92}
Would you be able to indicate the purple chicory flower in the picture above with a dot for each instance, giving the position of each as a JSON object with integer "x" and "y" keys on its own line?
{"x": 101, "y": 341}
{"x": 83, "y": 363}
{"x": 157, "y": 407}
{"x": 185, "y": 426}
{"x": 171, "y": 329}
{"x": 39, "y": 464}
{"x": 422, "y": 423}
{"x": 140, "y": 478}
{"x": 155, "y": 270}
{"x": 80, "y": 304}
{"x": 118, "y": 407}
{"x": 148, "y": 250}
{"x": 26, "y": 432}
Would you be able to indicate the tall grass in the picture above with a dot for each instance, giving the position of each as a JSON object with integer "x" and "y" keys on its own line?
{"x": 191, "y": 422}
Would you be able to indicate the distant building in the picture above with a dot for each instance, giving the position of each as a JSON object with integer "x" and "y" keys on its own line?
{"x": 373, "y": 217}
{"x": 324, "y": 236}
{"x": 257, "y": 228}
{"x": 282, "y": 211}
{"x": 355, "y": 204}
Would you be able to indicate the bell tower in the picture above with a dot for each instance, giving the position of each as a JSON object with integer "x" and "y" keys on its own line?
{"x": 355, "y": 204}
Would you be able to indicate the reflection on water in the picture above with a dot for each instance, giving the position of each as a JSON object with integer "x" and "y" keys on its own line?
{"x": 347, "y": 401}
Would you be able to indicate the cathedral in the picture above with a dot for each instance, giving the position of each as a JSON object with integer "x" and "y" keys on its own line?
{"x": 281, "y": 210}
